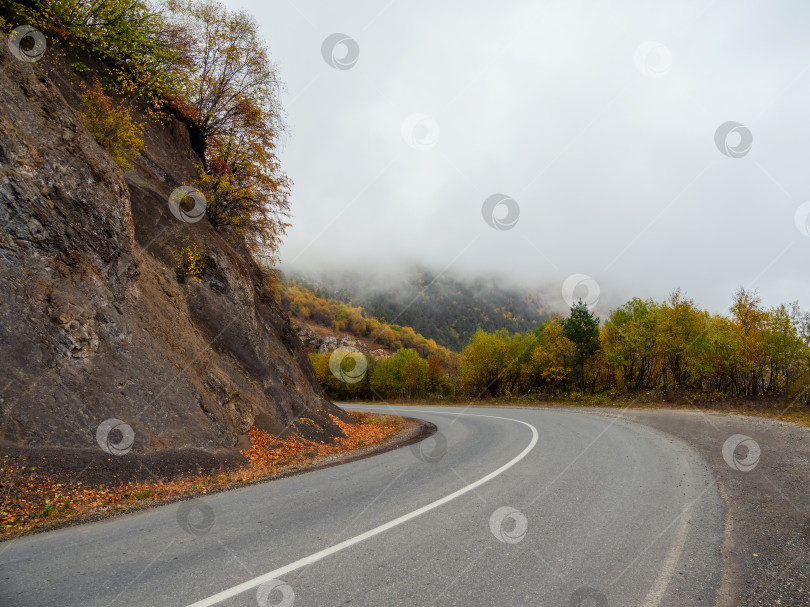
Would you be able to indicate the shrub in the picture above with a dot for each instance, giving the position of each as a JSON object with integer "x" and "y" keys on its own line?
{"x": 113, "y": 127}
{"x": 189, "y": 262}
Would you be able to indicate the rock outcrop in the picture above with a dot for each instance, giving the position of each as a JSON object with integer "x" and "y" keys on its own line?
{"x": 324, "y": 341}
{"x": 95, "y": 320}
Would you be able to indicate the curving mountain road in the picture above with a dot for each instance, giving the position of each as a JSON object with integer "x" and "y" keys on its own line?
{"x": 501, "y": 507}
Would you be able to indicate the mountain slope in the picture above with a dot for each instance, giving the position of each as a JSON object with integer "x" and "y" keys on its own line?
{"x": 98, "y": 320}
{"x": 323, "y": 322}
{"x": 445, "y": 308}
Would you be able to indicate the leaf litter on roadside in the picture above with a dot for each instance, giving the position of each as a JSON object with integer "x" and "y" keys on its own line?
{"x": 31, "y": 500}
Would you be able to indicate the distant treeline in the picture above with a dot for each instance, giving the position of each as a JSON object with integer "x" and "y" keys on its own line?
{"x": 649, "y": 345}
{"x": 642, "y": 345}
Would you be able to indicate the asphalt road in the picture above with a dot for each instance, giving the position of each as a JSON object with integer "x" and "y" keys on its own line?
{"x": 501, "y": 507}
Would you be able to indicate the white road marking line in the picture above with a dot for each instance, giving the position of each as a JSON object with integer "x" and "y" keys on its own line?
{"x": 313, "y": 558}
{"x": 656, "y": 593}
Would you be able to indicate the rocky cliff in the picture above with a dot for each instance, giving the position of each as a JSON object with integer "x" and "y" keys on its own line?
{"x": 323, "y": 340}
{"x": 97, "y": 323}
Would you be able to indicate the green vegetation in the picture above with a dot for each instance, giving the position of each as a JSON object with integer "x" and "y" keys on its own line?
{"x": 648, "y": 345}
{"x": 644, "y": 346}
{"x": 419, "y": 369}
{"x": 130, "y": 37}
{"x": 47, "y": 511}
{"x": 581, "y": 328}
{"x": 405, "y": 375}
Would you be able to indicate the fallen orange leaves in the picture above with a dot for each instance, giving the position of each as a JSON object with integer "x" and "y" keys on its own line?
{"x": 33, "y": 501}
{"x": 268, "y": 451}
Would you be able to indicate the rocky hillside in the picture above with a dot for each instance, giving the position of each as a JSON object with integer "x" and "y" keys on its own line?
{"x": 96, "y": 320}
{"x": 322, "y": 340}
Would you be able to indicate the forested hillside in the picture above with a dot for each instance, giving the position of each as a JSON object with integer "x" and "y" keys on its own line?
{"x": 445, "y": 308}
{"x": 307, "y": 307}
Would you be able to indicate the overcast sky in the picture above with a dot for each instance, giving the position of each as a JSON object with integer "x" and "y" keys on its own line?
{"x": 599, "y": 119}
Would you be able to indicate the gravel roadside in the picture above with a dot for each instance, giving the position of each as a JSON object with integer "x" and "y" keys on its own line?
{"x": 766, "y": 551}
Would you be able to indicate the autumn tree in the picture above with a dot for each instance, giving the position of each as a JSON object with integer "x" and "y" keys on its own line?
{"x": 439, "y": 380}
{"x": 497, "y": 364}
{"x": 784, "y": 349}
{"x": 228, "y": 88}
{"x": 413, "y": 371}
{"x": 681, "y": 337}
{"x": 112, "y": 125}
{"x": 748, "y": 319}
{"x": 404, "y": 375}
{"x": 554, "y": 355}
{"x": 131, "y": 37}
{"x": 629, "y": 341}
{"x": 208, "y": 63}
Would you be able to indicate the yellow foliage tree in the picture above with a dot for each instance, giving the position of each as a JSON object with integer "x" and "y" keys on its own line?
{"x": 111, "y": 124}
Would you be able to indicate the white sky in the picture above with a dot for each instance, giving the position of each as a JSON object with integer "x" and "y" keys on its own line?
{"x": 616, "y": 174}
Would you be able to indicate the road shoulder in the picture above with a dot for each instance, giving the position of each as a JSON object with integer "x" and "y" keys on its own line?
{"x": 766, "y": 549}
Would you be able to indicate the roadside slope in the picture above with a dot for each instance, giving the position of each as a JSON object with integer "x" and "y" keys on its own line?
{"x": 96, "y": 321}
